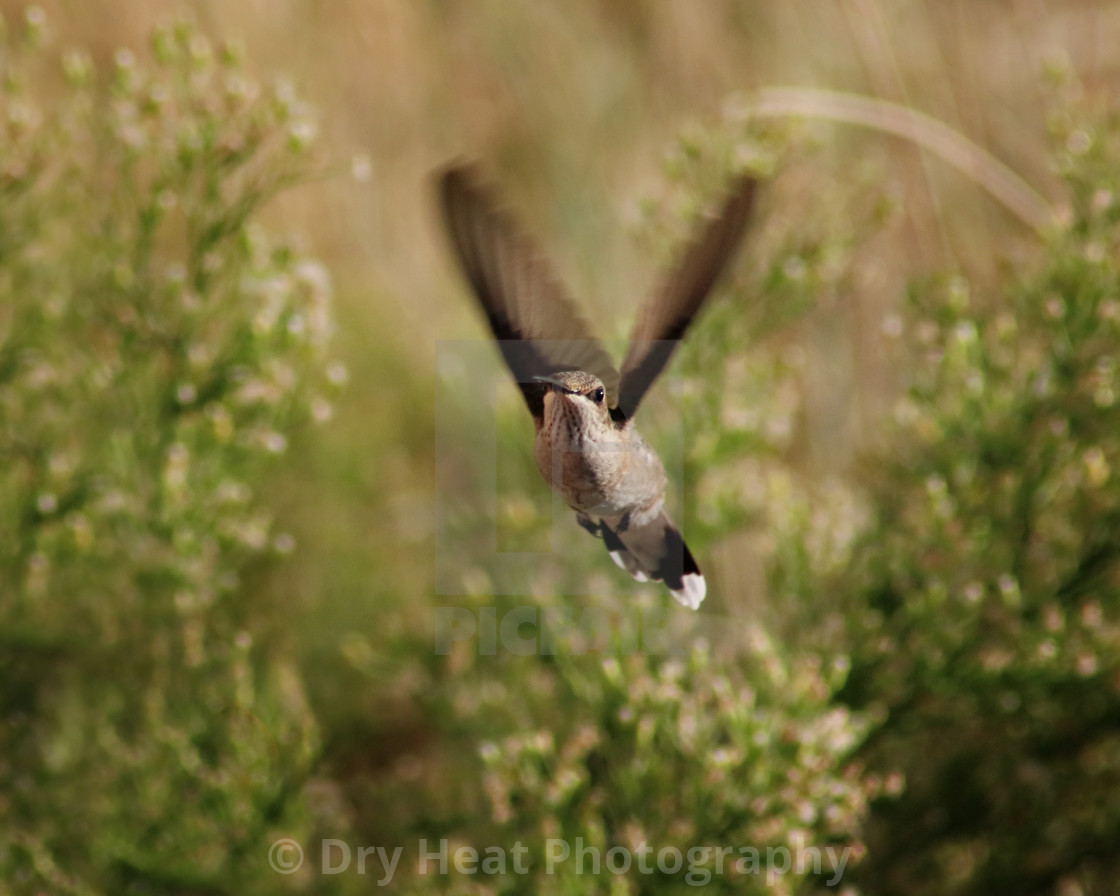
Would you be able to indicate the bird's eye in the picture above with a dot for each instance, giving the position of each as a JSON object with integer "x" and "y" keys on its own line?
{"x": 597, "y": 395}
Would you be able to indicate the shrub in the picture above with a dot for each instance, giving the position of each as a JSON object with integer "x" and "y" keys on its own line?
{"x": 608, "y": 756}
{"x": 982, "y": 599}
{"x": 968, "y": 568}
{"x": 659, "y": 774}
{"x": 155, "y": 347}
{"x": 931, "y": 680}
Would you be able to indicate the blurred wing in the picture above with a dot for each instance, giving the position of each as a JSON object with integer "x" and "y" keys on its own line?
{"x": 538, "y": 327}
{"x": 666, "y": 316}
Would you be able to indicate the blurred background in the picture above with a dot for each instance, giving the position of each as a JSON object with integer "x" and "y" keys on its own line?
{"x": 590, "y": 115}
{"x": 575, "y": 111}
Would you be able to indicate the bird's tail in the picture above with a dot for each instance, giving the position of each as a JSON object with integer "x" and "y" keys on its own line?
{"x": 653, "y": 550}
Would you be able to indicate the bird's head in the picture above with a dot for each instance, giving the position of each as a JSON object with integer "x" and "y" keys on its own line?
{"x": 577, "y": 395}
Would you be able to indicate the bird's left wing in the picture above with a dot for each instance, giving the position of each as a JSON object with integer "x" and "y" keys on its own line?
{"x": 665, "y": 317}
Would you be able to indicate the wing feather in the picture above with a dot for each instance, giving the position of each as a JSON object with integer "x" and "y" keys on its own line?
{"x": 539, "y": 328}
{"x": 666, "y": 316}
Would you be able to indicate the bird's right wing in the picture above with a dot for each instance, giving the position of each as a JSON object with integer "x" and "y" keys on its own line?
{"x": 538, "y": 327}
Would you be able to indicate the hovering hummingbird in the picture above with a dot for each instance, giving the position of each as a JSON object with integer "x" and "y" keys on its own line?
{"x": 586, "y": 446}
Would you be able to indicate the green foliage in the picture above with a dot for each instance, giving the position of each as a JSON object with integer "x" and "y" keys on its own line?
{"x": 714, "y": 739}
{"x": 930, "y": 678}
{"x": 691, "y": 753}
{"x": 969, "y": 569}
{"x": 982, "y": 599}
{"x": 155, "y": 347}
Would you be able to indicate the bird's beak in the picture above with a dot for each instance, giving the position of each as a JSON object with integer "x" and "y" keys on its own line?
{"x": 555, "y": 382}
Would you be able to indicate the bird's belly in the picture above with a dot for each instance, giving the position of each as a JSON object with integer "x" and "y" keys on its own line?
{"x": 603, "y": 479}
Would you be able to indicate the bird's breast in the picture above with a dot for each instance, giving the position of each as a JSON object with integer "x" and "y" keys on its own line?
{"x": 606, "y": 473}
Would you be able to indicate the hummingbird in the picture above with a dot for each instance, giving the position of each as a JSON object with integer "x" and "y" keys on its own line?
{"x": 583, "y": 407}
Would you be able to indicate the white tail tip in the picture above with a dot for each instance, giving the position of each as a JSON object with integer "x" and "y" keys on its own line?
{"x": 692, "y": 591}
